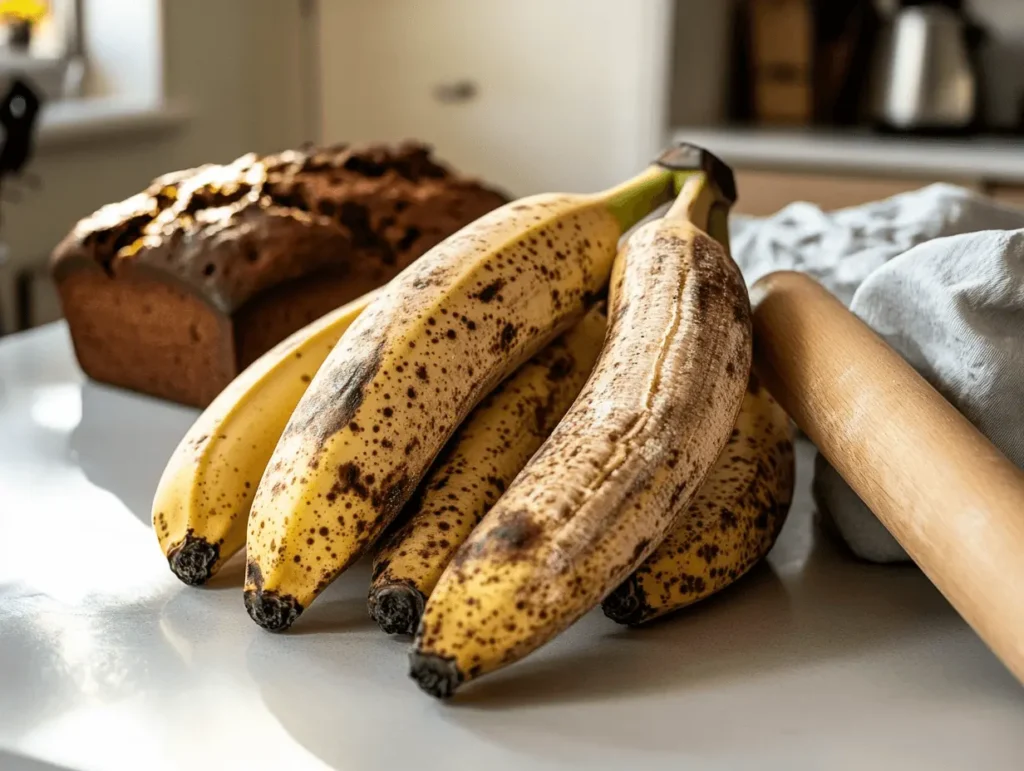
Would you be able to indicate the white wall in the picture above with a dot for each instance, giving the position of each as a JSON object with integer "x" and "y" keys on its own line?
{"x": 234, "y": 65}
{"x": 570, "y": 93}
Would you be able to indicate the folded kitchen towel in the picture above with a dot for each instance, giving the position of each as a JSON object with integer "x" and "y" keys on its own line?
{"x": 939, "y": 274}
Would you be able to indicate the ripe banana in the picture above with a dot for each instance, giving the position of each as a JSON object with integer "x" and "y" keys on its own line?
{"x": 635, "y": 447}
{"x": 731, "y": 524}
{"x": 480, "y": 461}
{"x": 438, "y": 338}
{"x": 202, "y": 501}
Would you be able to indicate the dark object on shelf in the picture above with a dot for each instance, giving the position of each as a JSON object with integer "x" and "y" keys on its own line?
{"x": 926, "y": 77}
{"x": 19, "y": 35}
{"x": 845, "y": 33}
{"x": 19, "y": 110}
{"x": 781, "y": 55}
{"x": 25, "y": 285}
{"x": 802, "y": 62}
{"x": 739, "y": 104}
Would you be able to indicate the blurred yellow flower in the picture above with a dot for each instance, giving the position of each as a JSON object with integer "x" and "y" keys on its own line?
{"x": 23, "y": 10}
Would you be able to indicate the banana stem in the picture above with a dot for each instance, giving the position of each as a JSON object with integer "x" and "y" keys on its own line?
{"x": 634, "y": 199}
{"x": 695, "y": 200}
{"x": 700, "y": 203}
{"x": 718, "y": 226}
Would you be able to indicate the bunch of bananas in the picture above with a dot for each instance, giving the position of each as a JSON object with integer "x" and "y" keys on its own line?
{"x": 524, "y": 424}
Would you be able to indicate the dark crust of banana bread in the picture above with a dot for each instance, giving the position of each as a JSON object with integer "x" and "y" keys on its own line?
{"x": 175, "y": 290}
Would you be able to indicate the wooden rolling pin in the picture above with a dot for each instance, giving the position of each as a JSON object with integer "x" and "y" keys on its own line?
{"x": 949, "y": 496}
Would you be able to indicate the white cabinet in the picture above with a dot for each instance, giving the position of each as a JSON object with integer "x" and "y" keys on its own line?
{"x": 533, "y": 95}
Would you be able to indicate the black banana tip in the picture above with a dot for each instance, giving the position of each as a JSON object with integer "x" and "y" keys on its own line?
{"x": 437, "y": 675}
{"x": 272, "y": 611}
{"x": 397, "y": 608}
{"x": 193, "y": 559}
{"x": 626, "y": 604}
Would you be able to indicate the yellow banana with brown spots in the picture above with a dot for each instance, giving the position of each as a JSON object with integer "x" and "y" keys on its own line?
{"x": 480, "y": 461}
{"x": 440, "y": 336}
{"x": 731, "y": 524}
{"x": 635, "y": 447}
{"x": 202, "y": 502}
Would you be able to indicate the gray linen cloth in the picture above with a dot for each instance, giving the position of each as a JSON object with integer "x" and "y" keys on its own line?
{"x": 939, "y": 274}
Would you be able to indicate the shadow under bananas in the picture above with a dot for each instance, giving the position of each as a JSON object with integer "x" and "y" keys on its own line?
{"x": 124, "y": 440}
{"x": 764, "y": 622}
{"x": 344, "y": 698}
{"x": 230, "y": 577}
{"x": 338, "y": 616}
{"x": 770, "y": 649}
{"x": 807, "y": 603}
{"x": 670, "y": 687}
{"x": 10, "y": 761}
{"x": 341, "y": 609}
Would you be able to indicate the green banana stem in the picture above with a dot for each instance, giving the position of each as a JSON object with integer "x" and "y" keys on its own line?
{"x": 718, "y": 226}
{"x": 634, "y": 199}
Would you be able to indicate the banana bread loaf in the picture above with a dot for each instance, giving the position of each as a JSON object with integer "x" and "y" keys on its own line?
{"x": 175, "y": 290}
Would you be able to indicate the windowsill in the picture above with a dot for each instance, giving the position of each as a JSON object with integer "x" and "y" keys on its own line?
{"x": 48, "y": 75}
{"x": 75, "y": 121}
{"x": 18, "y": 62}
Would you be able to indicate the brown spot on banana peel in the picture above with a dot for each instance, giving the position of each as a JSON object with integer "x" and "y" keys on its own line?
{"x": 561, "y": 368}
{"x": 330, "y": 407}
{"x": 254, "y": 576}
{"x": 516, "y": 535}
{"x": 490, "y": 291}
{"x": 587, "y": 509}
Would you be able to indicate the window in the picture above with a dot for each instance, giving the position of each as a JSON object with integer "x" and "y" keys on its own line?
{"x": 41, "y": 41}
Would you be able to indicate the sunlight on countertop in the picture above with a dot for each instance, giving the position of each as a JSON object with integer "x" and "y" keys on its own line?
{"x": 108, "y": 663}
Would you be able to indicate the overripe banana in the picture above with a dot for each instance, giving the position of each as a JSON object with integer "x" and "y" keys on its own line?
{"x": 635, "y": 447}
{"x": 731, "y": 524}
{"x": 438, "y": 338}
{"x": 202, "y": 502}
{"x": 480, "y": 461}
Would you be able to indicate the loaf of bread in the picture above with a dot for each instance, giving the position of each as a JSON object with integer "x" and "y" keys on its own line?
{"x": 175, "y": 290}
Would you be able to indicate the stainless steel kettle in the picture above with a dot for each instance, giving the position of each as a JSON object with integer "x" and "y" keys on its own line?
{"x": 926, "y": 76}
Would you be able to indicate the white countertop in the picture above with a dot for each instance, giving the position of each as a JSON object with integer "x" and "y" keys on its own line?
{"x": 107, "y": 662}
{"x": 993, "y": 159}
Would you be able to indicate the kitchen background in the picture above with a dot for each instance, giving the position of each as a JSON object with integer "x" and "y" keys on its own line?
{"x": 532, "y": 95}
